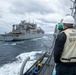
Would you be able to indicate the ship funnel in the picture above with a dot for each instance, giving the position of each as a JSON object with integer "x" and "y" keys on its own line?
{"x": 16, "y": 27}
{"x": 13, "y": 27}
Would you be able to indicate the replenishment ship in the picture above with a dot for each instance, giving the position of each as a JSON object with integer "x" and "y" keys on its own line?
{"x": 22, "y": 31}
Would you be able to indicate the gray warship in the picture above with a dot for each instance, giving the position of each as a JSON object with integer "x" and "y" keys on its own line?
{"x": 22, "y": 31}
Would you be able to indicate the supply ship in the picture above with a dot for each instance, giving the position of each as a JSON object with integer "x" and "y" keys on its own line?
{"x": 22, "y": 31}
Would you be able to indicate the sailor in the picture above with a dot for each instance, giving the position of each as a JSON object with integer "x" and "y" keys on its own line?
{"x": 35, "y": 72}
{"x": 60, "y": 27}
{"x": 39, "y": 65}
{"x": 65, "y": 48}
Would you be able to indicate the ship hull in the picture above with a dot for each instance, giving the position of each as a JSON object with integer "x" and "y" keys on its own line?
{"x": 20, "y": 37}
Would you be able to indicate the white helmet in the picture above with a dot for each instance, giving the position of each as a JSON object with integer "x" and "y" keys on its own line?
{"x": 68, "y": 20}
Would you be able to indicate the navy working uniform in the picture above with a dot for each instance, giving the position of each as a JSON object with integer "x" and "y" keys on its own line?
{"x": 65, "y": 52}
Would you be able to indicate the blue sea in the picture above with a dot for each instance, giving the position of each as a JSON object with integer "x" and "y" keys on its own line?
{"x": 12, "y": 54}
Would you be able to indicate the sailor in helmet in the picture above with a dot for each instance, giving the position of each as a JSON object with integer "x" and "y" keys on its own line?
{"x": 60, "y": 27}
{"x": 37, "y": 68}
{"x": 65, "y": 48}
{"x": 38, "y": 65}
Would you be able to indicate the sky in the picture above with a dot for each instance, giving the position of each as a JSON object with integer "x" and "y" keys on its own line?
{"x": 45, "y": 13}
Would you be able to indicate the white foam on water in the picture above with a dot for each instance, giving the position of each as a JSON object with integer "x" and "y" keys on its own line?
{"x": 45, "y": 37}
{"x": 14, "y": 67}
{"x": 20, "y": 42}
{"x": 9, "y": 44}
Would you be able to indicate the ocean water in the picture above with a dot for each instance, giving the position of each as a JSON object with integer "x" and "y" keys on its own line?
{"x": 12, "y": 54}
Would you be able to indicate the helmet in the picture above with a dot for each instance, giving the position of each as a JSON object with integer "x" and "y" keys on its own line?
{"x": 38, "y": 61}
{"x": 39, "y": 64}
{"x": 60, "y": 27}
{"x": 69, "y": 20}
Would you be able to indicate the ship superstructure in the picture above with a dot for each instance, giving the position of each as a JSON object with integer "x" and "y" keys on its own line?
{"x": 22, "y": 31}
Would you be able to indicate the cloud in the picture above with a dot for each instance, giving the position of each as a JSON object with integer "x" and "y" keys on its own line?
{"x": 46, "y": 13}
{"x": 64, "y": 7}
{"x": 31, "y": 6}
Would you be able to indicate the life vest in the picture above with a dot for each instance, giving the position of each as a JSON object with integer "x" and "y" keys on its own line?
{"x": 69, "y": 51}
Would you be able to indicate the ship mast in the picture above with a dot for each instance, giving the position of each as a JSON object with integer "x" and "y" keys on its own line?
{"x": 74, "y": 10}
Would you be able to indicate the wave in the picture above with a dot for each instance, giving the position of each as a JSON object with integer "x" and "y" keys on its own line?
{"x": 14, "y": 67}
{"x": 36, "y": 39}
{"x": 11, "y": 43}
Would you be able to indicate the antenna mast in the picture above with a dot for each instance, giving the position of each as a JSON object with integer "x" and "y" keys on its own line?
{"x": 74, "y": 10}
